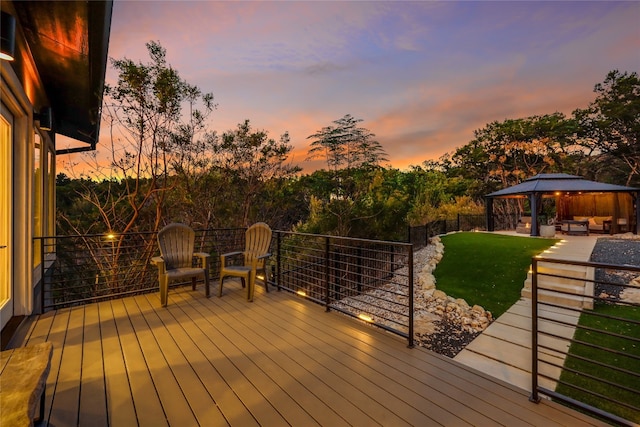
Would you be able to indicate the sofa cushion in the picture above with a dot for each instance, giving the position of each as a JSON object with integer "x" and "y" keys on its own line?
{"x": 600, "y": 219}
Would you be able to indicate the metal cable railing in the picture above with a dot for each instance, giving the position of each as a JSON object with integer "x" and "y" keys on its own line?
{"x": 371, "y": 280}
{"x": 368, "y": 279}
{"x": 79, "y": 269}
{"x": 601, "y": 371}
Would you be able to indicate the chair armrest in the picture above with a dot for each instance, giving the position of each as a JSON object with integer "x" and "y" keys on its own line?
{"x": 254, "y": 263}
{"x": 229, "y": 254}
{"x": 202, "y": 255}
{"x": 204, "y": 258}
{"x": 159, "y": 262}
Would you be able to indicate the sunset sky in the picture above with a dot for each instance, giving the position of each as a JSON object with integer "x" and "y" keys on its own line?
{"x": 422, "y": 75}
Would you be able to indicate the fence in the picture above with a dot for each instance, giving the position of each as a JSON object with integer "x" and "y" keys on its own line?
{"x": 601, "y": 372}
{"x": 419, "y": 235}
{"x": 372, "y": 280}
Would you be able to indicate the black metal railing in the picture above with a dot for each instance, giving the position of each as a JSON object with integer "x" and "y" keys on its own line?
{"x": 368, "y": 279}
{"x": 79, "y": 269}
{"x": 371, "y": 280}
{"x": 601, "y": 371}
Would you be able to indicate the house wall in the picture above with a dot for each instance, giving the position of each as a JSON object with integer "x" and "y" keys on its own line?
{"x": 22, "y": 93}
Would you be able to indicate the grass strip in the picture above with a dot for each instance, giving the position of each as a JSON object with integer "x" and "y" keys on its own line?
{"x": 589, "y": 375}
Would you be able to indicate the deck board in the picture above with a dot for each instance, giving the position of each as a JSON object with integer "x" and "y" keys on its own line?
{"x": 280, "y": 360}
{"x": 232, "y": 364}
{"x": 196, "y": 395}
{"x": 93, "y": 408}
{"x": 326, "y": 383}
{"x": 149, "y": 410}
{"x": 213, "y": 366}
{"x": 413, "y": 388}
{"x": 173, "y": 400}
{"x": 439, "y": 390}
{"x": 64, "y": 411}
{"x": 121, "y": 410}
{"x": 363, "y": 380}
{"x": 266, "y": 375}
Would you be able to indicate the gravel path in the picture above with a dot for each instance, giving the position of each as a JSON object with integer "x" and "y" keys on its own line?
{"x": 615, "y": 251}
{"x": 449, "y": 339}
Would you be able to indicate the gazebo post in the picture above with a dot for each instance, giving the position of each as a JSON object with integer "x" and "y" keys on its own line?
{"x": 533, "y": 203}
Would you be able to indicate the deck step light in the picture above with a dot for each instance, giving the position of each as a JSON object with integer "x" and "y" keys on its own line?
{"x": 365, "y": 317}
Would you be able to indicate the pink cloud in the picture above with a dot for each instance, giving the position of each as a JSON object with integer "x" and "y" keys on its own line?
{"x": 422, "y": 75}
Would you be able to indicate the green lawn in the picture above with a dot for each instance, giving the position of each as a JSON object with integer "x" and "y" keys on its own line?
{"x": 487, "y": 269}
{"x": 626, "y": 356}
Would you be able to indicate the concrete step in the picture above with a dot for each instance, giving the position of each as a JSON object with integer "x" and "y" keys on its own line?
{"x": 575, "y": 287}
{"x": 518, "y": 356}
{"x": 566, "y": 316}
{"x": 578, "y": 281}
{"x": 551, "y": 297}
{"x": 570, "y": 274}
{"x": 556, "y": 347}
{"x": 561, "y": 269}
{"x": 524, "y": 323}
{"x": 571, "y": 282}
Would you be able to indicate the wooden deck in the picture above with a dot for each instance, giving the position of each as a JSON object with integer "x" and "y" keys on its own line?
{"x": 280, "y": 360}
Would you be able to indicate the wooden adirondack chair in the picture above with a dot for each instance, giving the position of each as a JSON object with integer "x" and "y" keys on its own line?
{"x": 256, "y": 252}
{"x": 176, "y": 242}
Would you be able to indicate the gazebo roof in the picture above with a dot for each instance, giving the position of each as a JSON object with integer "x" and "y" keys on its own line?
{"x": 552, "y": 182}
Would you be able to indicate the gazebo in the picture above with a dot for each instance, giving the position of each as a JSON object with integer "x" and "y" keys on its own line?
{"x": 573, "y": 195}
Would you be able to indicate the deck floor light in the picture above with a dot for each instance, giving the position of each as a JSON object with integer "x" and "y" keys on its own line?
{"x": 365, "y": 317}
{"x": 8, "y": 37}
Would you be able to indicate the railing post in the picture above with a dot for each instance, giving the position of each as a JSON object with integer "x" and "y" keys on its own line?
{"x": 42, "y": 271}
{"x": 411, "y": 343}
{"x": 534, "y": 331}
{"x": 336, "y": 276}
{"x": 393, "y": 259}
{"x": 326, "y": 272}
{"x": 279, "y": 260}
{"x": 426, "y": 235}
{"x": 359, "y": 269}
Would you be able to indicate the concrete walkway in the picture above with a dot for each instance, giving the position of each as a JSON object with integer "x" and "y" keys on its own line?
{"x": 503, "y": 350}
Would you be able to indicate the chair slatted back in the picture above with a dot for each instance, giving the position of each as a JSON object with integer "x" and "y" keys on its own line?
{"x": 257, "y": 241}
{"x": 176, "y": 243}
